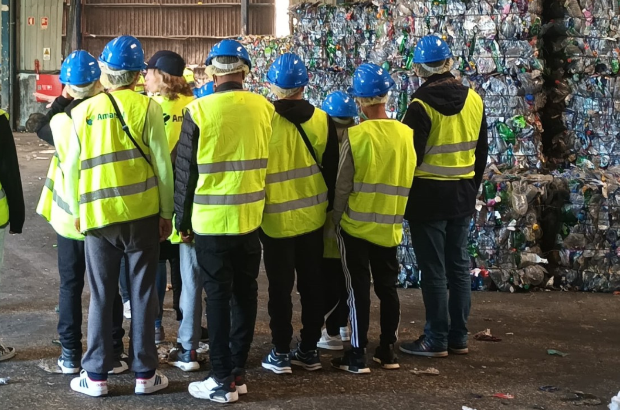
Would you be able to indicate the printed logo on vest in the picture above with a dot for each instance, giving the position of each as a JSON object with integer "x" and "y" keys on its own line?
{"x": 101, "y": 117}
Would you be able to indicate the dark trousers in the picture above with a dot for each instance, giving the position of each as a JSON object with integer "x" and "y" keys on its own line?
{"x": 336, "y": 295}
{"x": 359, "y": 259}
{"x": 230, "y": 265}
{"x": 72, "y": 269}
{"x": 283, "y": 257}
{"x": 441, "y": 250}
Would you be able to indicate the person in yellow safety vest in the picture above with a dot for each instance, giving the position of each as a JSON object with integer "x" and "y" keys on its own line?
{"x": 80, "y": 74}
{"x": 139, "y": 88}
{"x": 12, "y": 209}
{"x": 188, "y": 74}
{"x": 342, "y": 109}
{"x": 450, "y": 138}
{"x": 119, "y": 187}
{"x": 164, "y": 81}
{"x": 375, "y": 173}
{"x": 301, "y": 177}
{"x": 221, "y": 167}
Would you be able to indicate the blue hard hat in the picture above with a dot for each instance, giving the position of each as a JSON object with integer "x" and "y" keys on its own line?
{"x": 340, "y": 104}
{"x": 431, "y": 49}
{"x": 205, "y": 90}
{"x": 229, "y": 48}
{"x": 79, "y": 68}
{"x": 370, "y": 80}
{"x": 288, "y": 71}
{"x": 123, "y": 53}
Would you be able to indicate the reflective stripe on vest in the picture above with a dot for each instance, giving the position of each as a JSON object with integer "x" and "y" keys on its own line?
{"x": 451, "y": 148}
{"x": 296, "y": 194}
{"x": 4, "y": 203}
{"x": 52, "y": 206}
{"x": 173, "y": 116}
{"x": 384, "y": 160}
{"x": 116, "y": 183}
{"x": 232, "y": 161}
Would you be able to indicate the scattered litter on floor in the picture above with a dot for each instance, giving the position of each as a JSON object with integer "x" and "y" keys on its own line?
{"x": 431, "y": 371}
{"x": 553, "y": 352}
{"x": 503, "y": 396}
{"x": 549, "y": 389}
{"x": 467, "y": 408}
{"x": 4, "y": 380}
{"x": 615, "y": 402}
{"x": 203, "y": 348}
{"x": 50, "y": 366}
{"x": 579, "y": 398}
{"x": 486, "y": 336}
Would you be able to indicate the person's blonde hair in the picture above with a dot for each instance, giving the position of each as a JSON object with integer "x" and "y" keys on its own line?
{"x": 170, "y": 86}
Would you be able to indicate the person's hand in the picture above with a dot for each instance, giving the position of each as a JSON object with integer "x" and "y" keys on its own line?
{"x": 77, "y": 225}
{"x": 65, "y": 93}
{"x": 187, "y": 237}
{"x": 165, "y": 229}
{"x": 47, "y": 98}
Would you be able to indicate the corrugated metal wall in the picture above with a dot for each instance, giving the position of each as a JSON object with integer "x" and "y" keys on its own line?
{"x": 35, "y": 40}
{"x": 183, "y": 26}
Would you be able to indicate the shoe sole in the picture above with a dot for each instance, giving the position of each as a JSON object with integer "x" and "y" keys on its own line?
{"x": 8, "y": 356}
{"x": 199, "y": 394}
{"x": 119, "y": 370}
{"x": 152, "y": 389}
{"x": 241, "y": 390}
{"x": 424, "y": 354}
{"x": 276, "y": 369}
{"x": 354, "y": 370}
{"x": 327, "y": 347}
{"x": 388, "y": 366}
{"x": 458, "y": 351}
{"x": 346, "y": 339}
{"x": 186, "y": 367}
{"x": 101, "y": 393}
{"x": 309, "y": 367}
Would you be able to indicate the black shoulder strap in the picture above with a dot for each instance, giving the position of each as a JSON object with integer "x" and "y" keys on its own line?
{"x": 126, "y": 128}
{"x": 308, "y": 145}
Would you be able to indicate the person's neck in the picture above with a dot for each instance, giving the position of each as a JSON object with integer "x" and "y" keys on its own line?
{"x": 376, "y": 112}
{"x": 111, "y": 90}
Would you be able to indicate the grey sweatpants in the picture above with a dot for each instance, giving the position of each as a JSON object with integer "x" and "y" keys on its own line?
{"x": 105, "y": 247}
{"x": 191, "y": 297}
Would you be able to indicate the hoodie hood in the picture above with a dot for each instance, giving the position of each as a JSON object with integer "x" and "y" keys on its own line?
{"x": 444, "y": 93}
{"x": 295, "y": 111}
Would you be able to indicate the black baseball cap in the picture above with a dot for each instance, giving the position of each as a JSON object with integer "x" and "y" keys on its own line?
{"x": 168, "y": 62}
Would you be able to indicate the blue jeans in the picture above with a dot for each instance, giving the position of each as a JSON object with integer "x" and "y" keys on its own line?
{"x": 441, "y": 250}
{"x": 193, "y": 281}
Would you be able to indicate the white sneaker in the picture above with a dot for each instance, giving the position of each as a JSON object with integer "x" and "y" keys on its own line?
{"x": 120, "y": 366}
{"x": 345, "y": 334}
{"x": 329, "y": 342}
{"x": 147, "y": 386}
{"x": 211, "y": 389}
{"x": 127, "y": 310}
{"x": 85, "y": 385}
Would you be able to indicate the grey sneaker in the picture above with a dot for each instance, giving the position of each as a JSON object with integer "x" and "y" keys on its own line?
{"x": 330, "y": 342}
{"x": 160, "y": 335}
{"x": 6, "y": 352}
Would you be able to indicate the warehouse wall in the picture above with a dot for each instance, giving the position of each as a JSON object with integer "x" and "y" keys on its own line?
{"x": 38, "y": 40}
{"x": 183, "y": 26}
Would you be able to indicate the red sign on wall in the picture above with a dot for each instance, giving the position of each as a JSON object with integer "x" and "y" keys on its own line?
{"x": 44, "y": 23}
{"x": 31, "y": 21}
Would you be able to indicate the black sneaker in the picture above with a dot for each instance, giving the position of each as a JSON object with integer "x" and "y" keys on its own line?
{"x": 385, "y": 356}
{"x": 70, "y": 361}
{"x": 204, "y": 335}
{"x": 277, "y": 363}
{"x": 308, "y": 360}
{"x": 353, "y": 361}
{"x": 186, "y": 360}
{"x": 458, "y": 348}
{"x": 423, "y": 347}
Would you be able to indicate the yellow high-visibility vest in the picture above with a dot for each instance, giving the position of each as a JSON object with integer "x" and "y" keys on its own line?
{"x": 4, "y": 203}
{"x": 451, "y": 147}
{"x": 235, "y": 128}
{"x": 296, "y": 194}
{"x": 52, "y": 205}
{"x": 116, "y": 183}
{"x": 173, "y": 116}
{"x": 385, "y": 161}
{"x": 188, "y": 74}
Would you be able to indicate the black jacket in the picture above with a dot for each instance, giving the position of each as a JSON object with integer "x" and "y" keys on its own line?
{"x": 300, "y": 111}
{"x": 432, "y": 200}
{"x": 10, "y": 177}
{"x": 60, "y": 104}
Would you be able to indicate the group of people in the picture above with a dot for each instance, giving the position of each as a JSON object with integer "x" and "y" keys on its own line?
{"x": 324, "y": 196}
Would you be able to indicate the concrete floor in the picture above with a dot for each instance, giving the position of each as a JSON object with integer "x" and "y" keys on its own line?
{"x": 583, "y": 325}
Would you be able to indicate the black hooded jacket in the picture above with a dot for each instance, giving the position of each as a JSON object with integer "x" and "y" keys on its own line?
{"x": 299, "y": 112}
{"x": 60, "y": 104}
{"x": 10, "y": 177}
{"x": 432, "y": 200}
